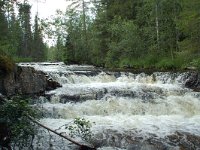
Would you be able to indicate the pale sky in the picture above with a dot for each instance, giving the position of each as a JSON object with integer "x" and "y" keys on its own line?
{"x": 46, "y": 8}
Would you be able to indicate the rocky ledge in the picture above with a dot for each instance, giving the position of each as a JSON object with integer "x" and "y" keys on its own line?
{"x": 26, "y": 81}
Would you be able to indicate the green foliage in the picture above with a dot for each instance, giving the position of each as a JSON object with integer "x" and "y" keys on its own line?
{"x": 166, "y": 64}
{"x": 125, "y": 42}
{"x": 14, "y": 113}
{"x": 195, "y": 63}
{"x": 22, "y": 59}
{"x": 139, "y": 34}
{"x": 80, "y": 128}
{"x": 16, "y": 36}
{"x": 25, "y": 24}
{"x": 38, "y": 47}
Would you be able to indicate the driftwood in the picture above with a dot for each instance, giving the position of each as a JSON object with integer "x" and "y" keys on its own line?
{"x": 82, "y": 147}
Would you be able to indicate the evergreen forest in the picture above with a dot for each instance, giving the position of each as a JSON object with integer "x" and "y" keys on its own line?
{"x": 158, "y": 34}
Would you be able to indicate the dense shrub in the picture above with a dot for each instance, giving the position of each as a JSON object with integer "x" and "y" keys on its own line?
{"x": 13, "y": 114}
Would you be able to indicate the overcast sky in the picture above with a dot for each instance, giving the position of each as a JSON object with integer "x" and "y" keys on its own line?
{"x": 47, "y": 8}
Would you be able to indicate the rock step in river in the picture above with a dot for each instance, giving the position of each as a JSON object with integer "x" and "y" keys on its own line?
{"x": 130, "y": 111}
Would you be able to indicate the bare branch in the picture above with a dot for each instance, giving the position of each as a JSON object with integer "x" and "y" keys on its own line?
{"x": 61, "y": 135}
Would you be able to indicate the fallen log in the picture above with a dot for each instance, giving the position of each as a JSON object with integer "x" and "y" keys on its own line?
{"x": 82, "y": 147}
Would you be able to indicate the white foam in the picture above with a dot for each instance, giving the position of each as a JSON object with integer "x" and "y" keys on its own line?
{"x": 173, "y": 105}
{"x": 146, "y": 125}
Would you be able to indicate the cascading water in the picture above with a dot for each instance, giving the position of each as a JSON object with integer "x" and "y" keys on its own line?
{"x": 130, "y": 111}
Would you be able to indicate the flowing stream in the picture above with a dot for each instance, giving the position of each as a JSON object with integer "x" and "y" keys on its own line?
{"x": 125, "y": 109}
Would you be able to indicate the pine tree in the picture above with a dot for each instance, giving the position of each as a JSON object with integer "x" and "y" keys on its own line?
{"x": 26, "y": 42}
{"x": 38, "y": 52}
{"x": 4, "y": 29}
{"x": 14, "y": 34}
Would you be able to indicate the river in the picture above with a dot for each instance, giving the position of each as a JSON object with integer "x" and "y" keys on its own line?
{"x": 127, "y": 111}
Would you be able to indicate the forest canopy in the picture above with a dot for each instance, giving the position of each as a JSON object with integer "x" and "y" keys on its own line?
{"x": 163, "y": 34}
{"x": 20, "y": 39}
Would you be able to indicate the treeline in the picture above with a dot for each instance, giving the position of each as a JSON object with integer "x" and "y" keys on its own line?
{"x": 129, "y": 33}
{"x": 19, "y": 39}
{"x": 160, "y": 34}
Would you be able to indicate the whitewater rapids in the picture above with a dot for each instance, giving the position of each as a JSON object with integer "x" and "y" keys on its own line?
{"x": 123, "y": 106}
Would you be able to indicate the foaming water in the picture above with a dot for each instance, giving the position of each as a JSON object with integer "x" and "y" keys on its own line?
{"x": 173, "y": 105}
{"x": 124, "y": 106}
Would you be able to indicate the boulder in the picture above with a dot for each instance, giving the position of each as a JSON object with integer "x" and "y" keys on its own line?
{"x": 193, "y": 82}
{"x": 26, "y": 81}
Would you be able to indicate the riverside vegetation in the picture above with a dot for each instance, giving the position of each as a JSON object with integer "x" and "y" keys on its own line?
{"x": 16, "y": 128}
{"x": 162, "y": 34}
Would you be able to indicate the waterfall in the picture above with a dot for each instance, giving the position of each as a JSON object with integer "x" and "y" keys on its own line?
{"x": 127, "y": 108}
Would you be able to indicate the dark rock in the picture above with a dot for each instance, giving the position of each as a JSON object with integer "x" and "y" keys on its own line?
{"x": 5, "y": 138}
{"x": 51, "y": 85}
{"x": 26, "y": 81}
{"x": 193, "y": 81}
{"x": 134, "y": 141}
{"x": 117, "y": 74}
{"x": 100, "y": 94}
{"x": 67, "y": 98}
{"x": 185, "y": 140}
{"x": 88, "y": 73}
{"x": 142, "y": 146}
{"x": 77, "y": 98}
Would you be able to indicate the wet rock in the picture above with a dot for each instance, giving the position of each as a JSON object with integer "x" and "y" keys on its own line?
{"x": 68, "y": 98}
{"x": 26, "y": 81}
{"x": 185, "y": 140}
{"x": 135, "y": 141}
{"x": 117, "y": 74}
{"x": 51, "y": 85}
{"x": 145, "y": 95}
{"x": 122, "y": 93}
{"x": 88, "y": 73}
{"x": 100, "y": 94}
{"x": 141, "y": 146}
{"x": 193, "y": 82}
